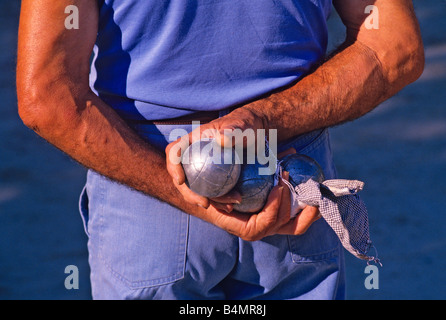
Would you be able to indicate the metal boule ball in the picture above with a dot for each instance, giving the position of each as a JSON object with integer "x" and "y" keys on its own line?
{"x": 301, "y": 168}
{"x": 211, "y": 170}
{"x": 253, "y": 187}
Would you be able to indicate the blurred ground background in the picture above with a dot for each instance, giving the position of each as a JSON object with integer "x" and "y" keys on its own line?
{"x": 398, "y": 150}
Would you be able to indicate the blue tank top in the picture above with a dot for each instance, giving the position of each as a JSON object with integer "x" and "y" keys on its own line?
{"x": 159, "y": 59}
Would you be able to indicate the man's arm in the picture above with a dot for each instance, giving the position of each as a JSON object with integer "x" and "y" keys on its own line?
{"x": 370, "y": 67}
{"x": 55, "y": 100}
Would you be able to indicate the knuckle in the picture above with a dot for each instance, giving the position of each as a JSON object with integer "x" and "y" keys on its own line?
{"x": 250, "y": 238}
{"x": 249, "y": 235}
{"x": 284, "y": 220}
{"x": 300, "y": 231}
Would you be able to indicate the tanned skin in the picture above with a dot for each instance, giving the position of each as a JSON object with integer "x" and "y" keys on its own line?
{"x": 55, "y": 100}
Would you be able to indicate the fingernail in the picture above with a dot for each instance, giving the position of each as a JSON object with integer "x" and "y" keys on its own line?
{"x": 236, "y": 201}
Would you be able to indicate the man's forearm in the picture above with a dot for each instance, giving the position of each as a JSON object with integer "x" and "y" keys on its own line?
{"x": 370, "y": 67}
{"x": 55, "y": 100}
{"x": 95, "y": 136}
{"x": 345, "y": 87}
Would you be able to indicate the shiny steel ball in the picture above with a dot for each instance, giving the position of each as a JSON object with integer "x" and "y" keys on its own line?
{"x": 302, "y": 168}
{"x": 253, "y": 188}
{"x": 211, "y": 170}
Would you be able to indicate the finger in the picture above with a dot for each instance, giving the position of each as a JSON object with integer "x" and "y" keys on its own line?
{"x": 267, "y": 218}
{"x": 174, "y": 153}
{"x": 286, "y": 152}
{"x": 285, "y": 202}
{"x": 192, "y": 197}
{"x": 302, "y": 222}
{"x": 230, "y": 132}
{"x": 231, "y": 197}
{"x": 229, "y": 136}
{"x": 177, "y": 173}
{"x": 208, "y": 133}
{"x": 233, "y": 222}
{"x": 285, "y": 176}
{"x": 226, "y": 207}
{"x": 250, "y": 227}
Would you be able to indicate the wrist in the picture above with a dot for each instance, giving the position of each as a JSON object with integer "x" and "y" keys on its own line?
{"x": 256, "y": 110}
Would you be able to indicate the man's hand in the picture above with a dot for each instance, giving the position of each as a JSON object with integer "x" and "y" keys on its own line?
{"x": 238, "y": 119}
{"x": 273, "y": 219}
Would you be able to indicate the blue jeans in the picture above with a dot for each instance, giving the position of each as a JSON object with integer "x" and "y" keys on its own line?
{"x": 142, "y": 248}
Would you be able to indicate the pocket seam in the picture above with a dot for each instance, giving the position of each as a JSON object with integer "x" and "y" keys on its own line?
{"x": 312, "y": 258}
{"x": 141, "y": 284}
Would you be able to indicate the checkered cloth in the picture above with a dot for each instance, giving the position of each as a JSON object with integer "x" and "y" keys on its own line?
{"x": 341, "y": 207}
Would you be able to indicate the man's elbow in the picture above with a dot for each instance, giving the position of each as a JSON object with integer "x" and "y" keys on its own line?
{"x": 47, "y": 107}
{"x": 414, "y": 60}
{"x": 419, "y": 61}
{"x": 404, "y": 60}
{"x": 30, "y": 108}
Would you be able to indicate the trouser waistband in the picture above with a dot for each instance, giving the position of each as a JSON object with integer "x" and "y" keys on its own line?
{"x": 201, "y": 116}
